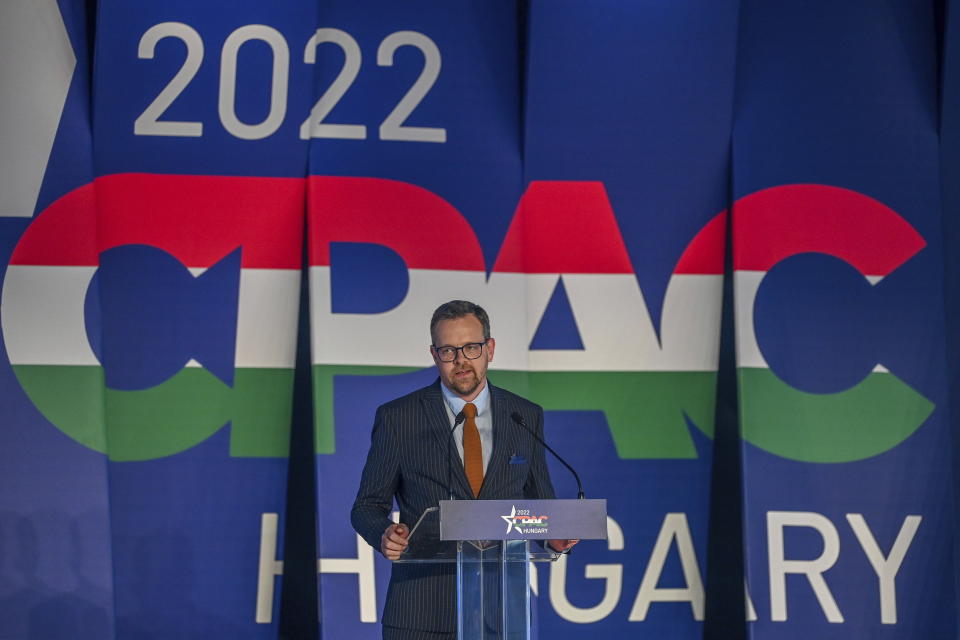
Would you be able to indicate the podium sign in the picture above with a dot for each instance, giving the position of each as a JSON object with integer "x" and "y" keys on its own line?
{"x": 490, "y": 542}
{"x": 523, "y": 519}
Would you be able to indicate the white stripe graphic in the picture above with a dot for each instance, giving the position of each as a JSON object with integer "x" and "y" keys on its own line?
{"x": 42, "y": 315}
{"x": 399, "y": 336}
{"x": 43, "y": 322}
{"x": 745, "y": 285}
{"x": 267, "y": 318}
{"x": 609, "y": 309}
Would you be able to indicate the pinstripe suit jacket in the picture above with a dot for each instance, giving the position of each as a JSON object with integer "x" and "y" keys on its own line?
{"x": 411, "y": 459}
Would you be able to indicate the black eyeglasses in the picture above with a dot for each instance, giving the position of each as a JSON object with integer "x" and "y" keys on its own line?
{"x": 470, "y": 351}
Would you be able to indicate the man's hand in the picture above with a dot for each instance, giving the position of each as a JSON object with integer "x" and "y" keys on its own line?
{"x": 561, "y": 546}
{"x": 394, "y": 541}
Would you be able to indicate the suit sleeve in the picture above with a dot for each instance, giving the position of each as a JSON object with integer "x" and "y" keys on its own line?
{"x": 370, "y": 515}
{"x": 538, "y": 485}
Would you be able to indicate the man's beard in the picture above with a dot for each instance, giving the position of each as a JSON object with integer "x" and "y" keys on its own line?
{"x": 468, "y": 385}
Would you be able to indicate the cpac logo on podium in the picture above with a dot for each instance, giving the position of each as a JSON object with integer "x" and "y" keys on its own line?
{"x": 148, "y": 311}
{"x": 524, "y": 523}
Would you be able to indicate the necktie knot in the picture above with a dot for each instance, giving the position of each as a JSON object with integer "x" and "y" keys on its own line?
{"x": 470, "y": 410}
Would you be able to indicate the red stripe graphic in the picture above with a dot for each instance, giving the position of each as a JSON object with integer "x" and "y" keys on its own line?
{"x": 198, "y": 219}
{"x": 704, "y": 254}
{"x": 564, "y": 227}
{"x": 779, "y": 222}
{"x": 423, "y": 228}
{"x": 63, "y": 234}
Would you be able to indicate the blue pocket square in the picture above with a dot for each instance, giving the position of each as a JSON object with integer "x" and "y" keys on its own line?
{"x": 517, "y": 459}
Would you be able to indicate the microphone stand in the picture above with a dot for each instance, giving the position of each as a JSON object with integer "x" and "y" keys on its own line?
{"x": 520, "y": 422}
{"x": 456, "y": 423}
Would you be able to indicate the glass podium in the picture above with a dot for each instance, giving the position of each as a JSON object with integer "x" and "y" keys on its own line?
{"x": 493, "y": 543}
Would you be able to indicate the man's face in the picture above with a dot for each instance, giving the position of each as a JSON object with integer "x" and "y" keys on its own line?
{"x": 463, "y": 376}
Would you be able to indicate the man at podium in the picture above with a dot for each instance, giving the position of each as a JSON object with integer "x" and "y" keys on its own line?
{"x": 453, "y": 439}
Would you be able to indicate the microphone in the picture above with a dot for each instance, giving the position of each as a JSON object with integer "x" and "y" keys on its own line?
{"x": 456, "y": 422}
{"x": 520, "y": 422}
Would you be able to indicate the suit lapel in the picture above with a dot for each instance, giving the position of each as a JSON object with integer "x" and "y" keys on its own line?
{"x": 436, "y": 412}
{"x": 501, "y": 430}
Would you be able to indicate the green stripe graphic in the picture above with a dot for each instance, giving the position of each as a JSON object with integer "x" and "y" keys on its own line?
{"x": 171, "y": 417}
{"x": 645, "y": 410}
{"x": 872, "y": 417}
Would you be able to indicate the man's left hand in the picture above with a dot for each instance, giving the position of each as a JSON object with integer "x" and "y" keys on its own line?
{"x": 561, "y": 546}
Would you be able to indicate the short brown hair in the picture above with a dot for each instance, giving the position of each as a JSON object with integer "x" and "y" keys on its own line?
{"x": 459, "y": 309}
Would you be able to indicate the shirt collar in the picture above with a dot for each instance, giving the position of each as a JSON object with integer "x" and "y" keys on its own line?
{"x": 456, "y": 403}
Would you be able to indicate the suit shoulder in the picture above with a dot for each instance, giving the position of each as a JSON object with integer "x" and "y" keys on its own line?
{"x": 404, "y": 402}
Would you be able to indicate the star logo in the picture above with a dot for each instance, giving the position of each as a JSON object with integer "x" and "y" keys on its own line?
{"x": 511, "y": 520}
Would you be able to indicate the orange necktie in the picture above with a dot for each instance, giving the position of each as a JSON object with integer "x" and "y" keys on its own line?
{"x": 472, "y": 451}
